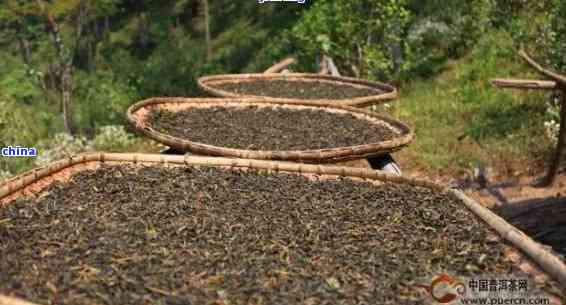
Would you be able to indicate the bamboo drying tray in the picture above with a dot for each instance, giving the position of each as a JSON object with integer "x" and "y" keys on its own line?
{"x": 138, "y": 115}
{"x": 527, "y": 254}
{"x": 383, "y": 92}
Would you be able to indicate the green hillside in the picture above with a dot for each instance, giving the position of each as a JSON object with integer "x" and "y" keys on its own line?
{"x": 109, "y": 54}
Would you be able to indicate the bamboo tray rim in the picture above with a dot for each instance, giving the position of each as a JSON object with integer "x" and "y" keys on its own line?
{"x": 549, "y": 263}
{"x": 388, "y": 93}
{"x": 325, "y": 155}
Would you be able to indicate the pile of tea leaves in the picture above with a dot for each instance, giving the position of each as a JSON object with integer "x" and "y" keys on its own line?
{"x": 269, "y": 128}
{"x": 184, "y": 235}
{"x": 307, "y": 90}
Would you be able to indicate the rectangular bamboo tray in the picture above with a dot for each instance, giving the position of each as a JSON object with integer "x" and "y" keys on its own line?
{"x": 531, "y": 257}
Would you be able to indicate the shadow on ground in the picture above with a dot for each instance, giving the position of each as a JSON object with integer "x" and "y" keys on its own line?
{"x": 543, "y": 219}
{"x": 538, "y": 212}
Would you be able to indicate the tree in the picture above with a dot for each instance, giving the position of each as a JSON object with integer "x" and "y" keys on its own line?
{"x": 65, "y": 25}
{"x": 207, "y": 30}
{"x": 363, "y": 36}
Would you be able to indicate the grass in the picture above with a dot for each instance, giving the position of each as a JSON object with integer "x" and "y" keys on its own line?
{"x": 460, "y": 120}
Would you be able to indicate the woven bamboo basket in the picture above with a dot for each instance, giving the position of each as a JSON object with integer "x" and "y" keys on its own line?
{"x": 531, "y": 257}
{"x": 383, "y": 92}
{"x": 138, "y": 115}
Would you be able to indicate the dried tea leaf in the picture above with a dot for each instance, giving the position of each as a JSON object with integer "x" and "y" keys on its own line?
{"x": 188, "y": 235}
{"x": 297, "y": 89}
{"x": 269, "y": 128}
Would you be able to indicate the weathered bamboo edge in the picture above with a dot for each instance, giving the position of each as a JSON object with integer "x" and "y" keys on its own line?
{"x": 4, "y": 300}
{"x": 390, "y": 92}
{"x": 329, "y": 155}
{"x": 547, "y": 261}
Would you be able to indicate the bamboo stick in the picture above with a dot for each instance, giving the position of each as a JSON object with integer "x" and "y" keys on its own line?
{"x": 524, "y": 84}
{"x": 4, "y": 300}
{"x": 281, "y": 65}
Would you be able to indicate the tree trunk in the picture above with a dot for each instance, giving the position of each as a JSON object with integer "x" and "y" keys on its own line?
{"x": 397, "y": 50}
{"x": 66, "y": 91}
{"x": 106, "y": 25}
{"x": 555, "y": 165}
{"x": 207, "y": 30}
{"x": 64, "y": 72}
{"x": 25, "y": 49}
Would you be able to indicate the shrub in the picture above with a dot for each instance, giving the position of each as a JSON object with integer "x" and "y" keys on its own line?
{"x": 100, "y": 99}
{"x": 112, "y": 138}
{"x": 552, "y": 123}
{"x": 4, "y": 175}
{"x": 440, "y": 30}
{"x": 107, "y": 138}
{"x": 542, "y": 31}
{"x": 61, "y": 146}
{"x": 22, "y": 125}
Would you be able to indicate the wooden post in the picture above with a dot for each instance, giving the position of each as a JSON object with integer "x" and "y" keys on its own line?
{"x": 555, "y": 163}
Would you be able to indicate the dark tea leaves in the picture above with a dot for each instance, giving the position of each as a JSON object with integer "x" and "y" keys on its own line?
{"x": 297, "y": 89}
{"x": 154, "y": 235}
{"x": 269, "y": 128}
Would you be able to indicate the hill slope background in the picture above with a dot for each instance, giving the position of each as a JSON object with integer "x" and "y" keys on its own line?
{"x": 440, "y": 54}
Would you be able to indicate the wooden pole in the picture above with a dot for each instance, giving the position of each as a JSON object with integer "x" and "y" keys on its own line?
{"x": 524, "y": 84}
{"x": 555, "y": 76}
{"x": 276, "y": 68}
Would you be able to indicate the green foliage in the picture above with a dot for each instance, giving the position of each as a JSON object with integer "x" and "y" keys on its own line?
{"x": 441, "y": 30}
{"x": 359, "y": 34}
{"x": 172, "y": 70}
{"x": 21, "y": 125}
{"x": 507, "y": 12}
{"x": 476, "y": 122}
{"x": 107, "y": 138}
{"x": 493, "y": 107}
{"x": 464, "y": 21}
{"x": 18, "y": 82}
{"x": 101, "y": 98}
{"x": 131, "y": 50}
{"x": 542, "y": 31}
{"x": 558, "y": 36}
